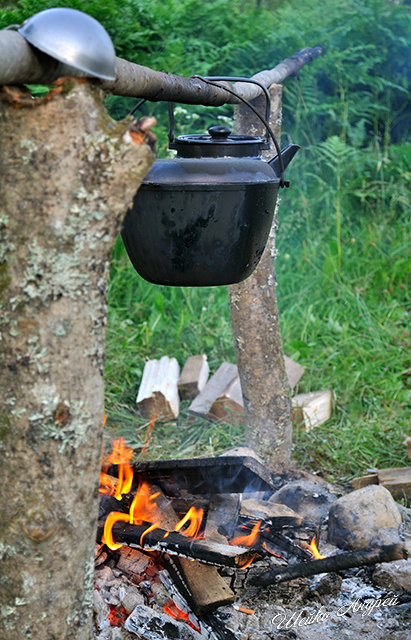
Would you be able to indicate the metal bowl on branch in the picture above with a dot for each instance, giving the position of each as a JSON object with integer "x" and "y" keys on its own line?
{"x": 203, "y": 218}
{"x": 72, "y": 37}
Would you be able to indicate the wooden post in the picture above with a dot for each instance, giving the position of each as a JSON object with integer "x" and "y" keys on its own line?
{"x": 68, "y": 175}
{"x": 255, "y": 322}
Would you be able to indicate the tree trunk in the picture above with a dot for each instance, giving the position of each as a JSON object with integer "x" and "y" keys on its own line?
{"x": 254, "y": 317}
{"x": 68, "y": 175}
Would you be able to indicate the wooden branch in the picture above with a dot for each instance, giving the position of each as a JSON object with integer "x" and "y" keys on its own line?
{"x": 21, "y": 64}
{"x": 349, "y": 560}
{"x": 256, "y": 330}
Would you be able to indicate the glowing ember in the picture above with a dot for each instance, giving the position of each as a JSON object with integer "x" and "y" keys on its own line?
{"x": 314, "y": 550}
{"x": 277, "y": 555}
{"x": 194, "y": 517}
{"x": 247, "y": 541}
{"x": 247, "y": 564}
{"x": 117, "y": 616}
{"x": 178, "y": 614}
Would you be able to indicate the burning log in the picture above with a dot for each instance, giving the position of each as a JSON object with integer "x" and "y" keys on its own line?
{"x": 144, "y": 536}
{"x": 348, "y": 560}
{"x": 201, "y": 584}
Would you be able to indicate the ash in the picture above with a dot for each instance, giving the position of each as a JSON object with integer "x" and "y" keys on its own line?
{"x": 320, "y": 608}
{"x": 130, "y": 597}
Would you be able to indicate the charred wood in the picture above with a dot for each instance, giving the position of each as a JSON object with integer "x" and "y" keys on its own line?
{"x": 138, "y": 537}
{"x": 348, "y": 560}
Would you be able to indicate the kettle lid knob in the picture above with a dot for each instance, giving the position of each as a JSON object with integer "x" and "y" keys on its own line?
{"x": 219, "y": 132}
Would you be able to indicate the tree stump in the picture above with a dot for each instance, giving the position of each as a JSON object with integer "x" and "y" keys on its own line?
{"x": 68, "y": 175}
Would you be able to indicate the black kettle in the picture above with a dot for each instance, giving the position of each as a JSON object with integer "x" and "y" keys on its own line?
{"x": 203, "y": 218}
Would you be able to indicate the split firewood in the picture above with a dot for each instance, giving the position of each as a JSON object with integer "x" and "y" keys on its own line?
{"x": 193, "y": 377}
{"x": 312, "y": 409}
{"x": 397, "y": 481}
{"x": 364, "y": 481}
{"x": 221, "y": 399}
{"x": 294, "y": 371}
{"x": 264, "y": 510}
{"x": 158, "y": 394}
{"x": 223, "y": 512}
{"x": 223, "y": 377}
{"x": 228, "y": 407}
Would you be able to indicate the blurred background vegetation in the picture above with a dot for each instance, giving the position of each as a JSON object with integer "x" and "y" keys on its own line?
{"x": 344, "y": 262}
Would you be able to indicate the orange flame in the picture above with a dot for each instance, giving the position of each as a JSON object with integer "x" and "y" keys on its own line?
{"x": 121, "y": 455}
{"x": 144, "y": 507}
{"x": 155, "y": 525}
{"x": 247, "y": 541}
{"x": 314, "y": 550}
{"x": 112, "y": 518}
{"x": 194, "y": 517}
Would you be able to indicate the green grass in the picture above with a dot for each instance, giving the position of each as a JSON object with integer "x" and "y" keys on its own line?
{"x": 349, "y": 329}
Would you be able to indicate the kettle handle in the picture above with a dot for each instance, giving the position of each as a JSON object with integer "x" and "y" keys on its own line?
{"x": 270, "y": 132}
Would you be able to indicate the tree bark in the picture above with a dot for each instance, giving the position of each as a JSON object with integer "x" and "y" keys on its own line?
{"x": 68, "y": 176}
{"x": 257, "y": 337}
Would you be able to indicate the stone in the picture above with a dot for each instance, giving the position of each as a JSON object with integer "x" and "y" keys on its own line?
{"x": 356, "y": 519}
{"x": 309, "y": 499}
{"x": 393, "y": 576}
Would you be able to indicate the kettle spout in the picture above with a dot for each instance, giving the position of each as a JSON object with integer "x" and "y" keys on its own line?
{"x": 287, "y": 154}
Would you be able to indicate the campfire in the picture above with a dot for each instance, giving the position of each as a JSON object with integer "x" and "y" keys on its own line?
{"x": 198, "y": 532}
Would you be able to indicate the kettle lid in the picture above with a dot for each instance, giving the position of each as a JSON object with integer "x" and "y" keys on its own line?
{"x": 218, "y": 143}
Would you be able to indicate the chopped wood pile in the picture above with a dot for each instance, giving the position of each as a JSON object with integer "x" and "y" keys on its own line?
{"x": 219, "y": 397}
